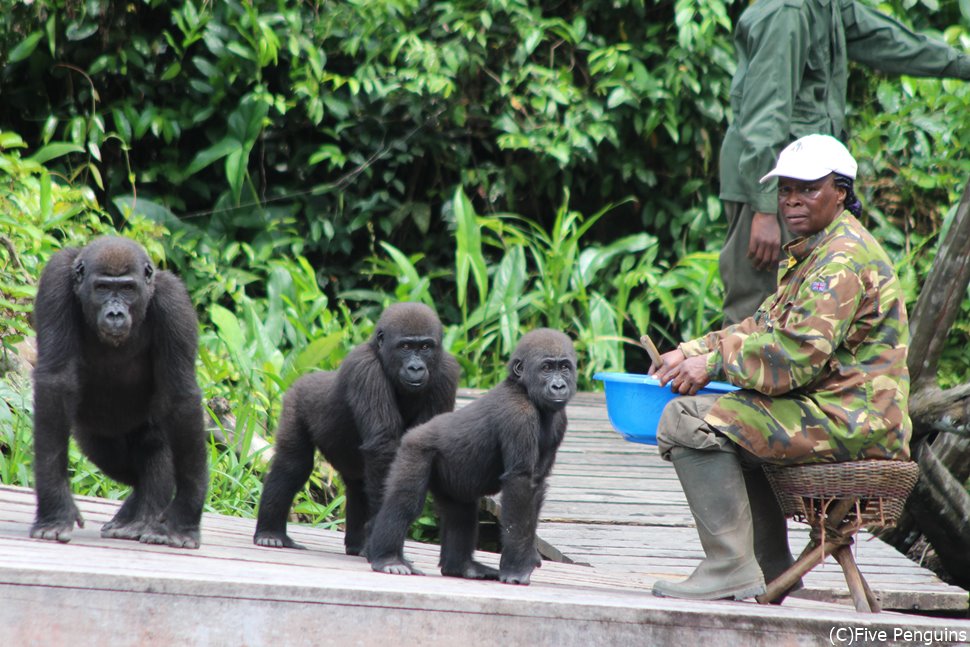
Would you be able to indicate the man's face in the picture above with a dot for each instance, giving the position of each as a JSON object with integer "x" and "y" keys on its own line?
{"x": 809, "y": 206}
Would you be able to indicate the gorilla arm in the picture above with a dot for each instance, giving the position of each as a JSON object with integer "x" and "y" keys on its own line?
{"x": 55, "y": 397}
{"x": 373, "y": 404}
{"x": 177, "y": 406}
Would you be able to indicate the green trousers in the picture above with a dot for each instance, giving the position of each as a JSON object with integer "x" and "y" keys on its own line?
{"x": 745, "y": 288}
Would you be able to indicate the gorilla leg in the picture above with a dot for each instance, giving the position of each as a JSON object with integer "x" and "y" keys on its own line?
{"x": 145, "y": 462}
{"x": 355, "y": 536}
{"x": 459, "y": 537}
{"x": 290, "y": 470}
{"x": 406, "y": 489}
{"x": 186, "y": 441}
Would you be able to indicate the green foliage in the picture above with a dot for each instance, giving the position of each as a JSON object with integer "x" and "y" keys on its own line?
{"x": 16, "y": 437}
{"x": 38, "y": 216}
{"x": 512, "y": 274}
{"x": 512, "y": 164}
{"x": 912, "y": 147}
{"x": 339, "y": 125}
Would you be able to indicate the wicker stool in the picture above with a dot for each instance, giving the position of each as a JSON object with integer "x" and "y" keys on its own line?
{"x": 836, "y": 499}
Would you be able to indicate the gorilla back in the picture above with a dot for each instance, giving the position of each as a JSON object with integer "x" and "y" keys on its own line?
{"x": 504, "y": 441}
{"x": 116, "y": 348}
{"x": 356, "y": 417}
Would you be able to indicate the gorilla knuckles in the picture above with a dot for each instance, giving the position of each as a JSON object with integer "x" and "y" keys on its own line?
{"x": 356, "y": 416}
{"x": 504, "y": 441}
{"x": 116, "y": 347}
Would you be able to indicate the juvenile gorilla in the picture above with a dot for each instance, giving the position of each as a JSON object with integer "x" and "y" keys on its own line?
{"x": 116, "y": 347}
{"x": 506, "y": 440}
{"x": 356, "y": 417}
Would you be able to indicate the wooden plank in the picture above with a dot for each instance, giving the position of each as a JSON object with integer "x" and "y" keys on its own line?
{"x": 619, "y": 507}
{"x": 95, "y": 590}
{"x": 612, "y": 504}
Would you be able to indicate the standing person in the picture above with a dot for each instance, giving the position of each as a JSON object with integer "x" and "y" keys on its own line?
{"x": 791, "y": 81}
{"x": 822, "y": 371}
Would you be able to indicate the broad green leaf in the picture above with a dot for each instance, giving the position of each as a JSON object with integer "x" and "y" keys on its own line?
{"x": 96, "y": 175}
{"x": 469, "y": 257}
{"x": 228, "y": 326}
{"x": 46, "y": 197}
{"x": 25, "y": 47}
{"x": 212, "y": 154}
{"x": 55, "y": 150}
{"x": 11, "y": 140}
{"x": 317, "y": 351}
{"x": 171, "y": 71}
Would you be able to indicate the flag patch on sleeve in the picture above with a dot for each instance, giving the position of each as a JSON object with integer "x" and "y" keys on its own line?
{"x": 819, "y": 286}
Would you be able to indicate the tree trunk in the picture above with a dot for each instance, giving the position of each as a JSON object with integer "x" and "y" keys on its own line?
{"x": 939, "y": 507}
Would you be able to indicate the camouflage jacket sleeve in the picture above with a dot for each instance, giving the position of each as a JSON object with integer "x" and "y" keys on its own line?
{"x": 790, "y": 346}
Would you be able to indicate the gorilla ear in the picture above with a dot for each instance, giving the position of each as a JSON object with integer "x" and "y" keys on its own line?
{"x": 149, "y": 272}
{"x": 380, "y": 339}
{"x": 78, "y": 272}
{"x": 516, "y": 368}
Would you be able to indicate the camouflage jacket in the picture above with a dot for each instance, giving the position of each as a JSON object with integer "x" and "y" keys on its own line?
{"x": 822, "y": 363}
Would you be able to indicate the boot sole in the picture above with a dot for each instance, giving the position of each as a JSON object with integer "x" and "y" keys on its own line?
{"x": 733, "y": 594}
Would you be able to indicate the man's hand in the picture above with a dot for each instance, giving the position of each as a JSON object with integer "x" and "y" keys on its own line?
{"x": 685, "y": 375}
{"x": 764, "y": 247}
{"x": 668, "y": 361}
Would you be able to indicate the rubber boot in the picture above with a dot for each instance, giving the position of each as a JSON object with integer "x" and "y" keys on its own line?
{"x": 714, "y": 486}
{"x": 770, "y": 529}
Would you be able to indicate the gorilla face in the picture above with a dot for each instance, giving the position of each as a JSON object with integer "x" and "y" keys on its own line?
{"x": 114, "y": 284}
{"x": 408, "y": 341}
{"x": 411, "y": 361}
{"x": 544, "y": 363}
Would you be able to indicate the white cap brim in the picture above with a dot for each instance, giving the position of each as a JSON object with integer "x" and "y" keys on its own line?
{"x": 812, "y": 157}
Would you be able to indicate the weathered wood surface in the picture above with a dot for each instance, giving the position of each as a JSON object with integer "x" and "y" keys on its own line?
{"x": 611, "y": 504}
{"x": 619, "y": 507}
{"x": 230, "y": 592}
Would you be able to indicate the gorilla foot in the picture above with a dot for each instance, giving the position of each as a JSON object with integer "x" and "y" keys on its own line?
{"x": 270, "y": 539}
{"x": 160, "y": 535}
{"x": 472, "y": 570}
{"x": 360, "y": 550}
{"x": 521, "y": 577}
{"x": 395, "y": 566}
{"x": 62, "y": 532}
{"x": 58, "y": 529}
{"x": 132, "y": 530}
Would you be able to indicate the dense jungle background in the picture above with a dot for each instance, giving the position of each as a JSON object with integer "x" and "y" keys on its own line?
{"x": 513, "y": 164}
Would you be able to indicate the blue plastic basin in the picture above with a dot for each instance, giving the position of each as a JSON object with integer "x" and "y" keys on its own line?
{"x": 634, "y": 403}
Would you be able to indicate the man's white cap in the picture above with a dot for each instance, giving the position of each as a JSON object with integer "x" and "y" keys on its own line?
{"x": 813, "y": 157}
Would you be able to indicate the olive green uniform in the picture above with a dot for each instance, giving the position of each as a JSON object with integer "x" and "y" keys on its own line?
{"x": 791, "y": 81}
{"x": 822, "y": 364}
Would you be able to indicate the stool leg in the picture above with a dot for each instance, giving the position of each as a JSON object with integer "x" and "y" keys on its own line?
{"x": 862, "y": 595}
{"x": 811, "y": 557}
{"x": 870, "y": 596}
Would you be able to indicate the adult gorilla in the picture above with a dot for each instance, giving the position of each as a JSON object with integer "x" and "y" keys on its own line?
{"x": 356, "y": 417}
{"x": 116, "y": 347}
{"x": 506, "y": 440}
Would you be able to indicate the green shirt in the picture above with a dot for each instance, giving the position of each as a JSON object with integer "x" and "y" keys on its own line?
{"x": 791, "y": 80}
{"x": 822, "y": 364}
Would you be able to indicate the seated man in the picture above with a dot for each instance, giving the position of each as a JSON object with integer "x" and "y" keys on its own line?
{"x": 822, "y": 371}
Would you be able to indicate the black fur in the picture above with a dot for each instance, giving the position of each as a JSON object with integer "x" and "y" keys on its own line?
{"x": 356, "y": 417}
{"x": 505, "y": 441}
{"x": 116, "y": 348}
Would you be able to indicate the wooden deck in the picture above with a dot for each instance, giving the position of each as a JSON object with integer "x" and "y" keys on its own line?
{"x": 613, "y": 505}
{"x": 619, "y": 507}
